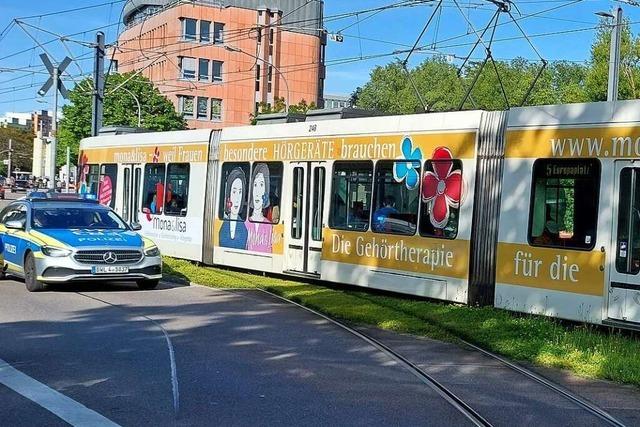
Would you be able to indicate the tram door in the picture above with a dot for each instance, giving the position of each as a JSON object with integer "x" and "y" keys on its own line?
{"x": 303, "y": 231}
{"x": 131, "y": 185}
{"x": 624, "y": 283}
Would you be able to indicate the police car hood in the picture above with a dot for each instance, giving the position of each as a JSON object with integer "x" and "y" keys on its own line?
{"x": 111, "y": 239}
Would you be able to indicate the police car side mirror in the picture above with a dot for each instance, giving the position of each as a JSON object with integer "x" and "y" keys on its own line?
{"x": 14, "y": 225}
{"x": 136, "y": 226}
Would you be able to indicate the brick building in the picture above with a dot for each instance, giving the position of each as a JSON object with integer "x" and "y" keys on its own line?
{"x": 216, "y": 60}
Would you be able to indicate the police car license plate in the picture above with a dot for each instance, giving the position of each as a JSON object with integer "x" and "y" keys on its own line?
{"x": 106, "y": 269}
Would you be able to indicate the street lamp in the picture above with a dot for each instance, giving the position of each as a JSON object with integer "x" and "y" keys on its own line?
{"x": 137, "y": 103}
{"x": 614, "y": 53}
{"x": 286, "y": 84}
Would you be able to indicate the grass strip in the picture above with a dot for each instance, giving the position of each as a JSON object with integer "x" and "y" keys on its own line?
{"x": 586, "y": 350}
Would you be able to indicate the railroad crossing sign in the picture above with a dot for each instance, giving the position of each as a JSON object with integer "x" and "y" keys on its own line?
{"x": 54, "y": 74}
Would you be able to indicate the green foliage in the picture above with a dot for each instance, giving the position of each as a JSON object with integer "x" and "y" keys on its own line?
{"x": 279, "y": 106}
{"x": 585, "y": 350}
{"x": 22, "y": 144}
{"x": 389, "y": 89}
{"x": 598, "y": 72}
{"x": 120, "y": 108}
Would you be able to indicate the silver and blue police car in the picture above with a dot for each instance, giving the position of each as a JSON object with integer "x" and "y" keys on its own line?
{"x": 58, "y": 238}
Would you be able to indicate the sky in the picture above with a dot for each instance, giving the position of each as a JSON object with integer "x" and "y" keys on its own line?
{"x": 558, "y": 30}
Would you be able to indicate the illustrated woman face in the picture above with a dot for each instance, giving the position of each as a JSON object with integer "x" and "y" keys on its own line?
{"x": 258, "y": 192}
{"x": 236, "y": 196}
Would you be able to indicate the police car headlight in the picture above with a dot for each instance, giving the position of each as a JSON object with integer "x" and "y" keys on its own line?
{"x": 55, "y": 252}
{"x": 152, "y": 251}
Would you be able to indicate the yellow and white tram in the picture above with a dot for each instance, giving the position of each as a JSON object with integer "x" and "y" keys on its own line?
{"x": 532, "y": 209}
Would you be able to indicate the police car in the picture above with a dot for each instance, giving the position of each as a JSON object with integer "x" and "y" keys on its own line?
{"x": 59, "y": 238}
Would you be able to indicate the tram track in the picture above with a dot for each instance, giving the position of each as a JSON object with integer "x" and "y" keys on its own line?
{"x": 450, "y": 397}
{"x": 565, "y": 393}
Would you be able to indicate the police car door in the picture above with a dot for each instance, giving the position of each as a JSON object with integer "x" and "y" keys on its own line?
{"x": 13, "y": 241}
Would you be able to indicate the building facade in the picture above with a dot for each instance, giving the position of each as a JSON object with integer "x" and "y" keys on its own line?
{"x": 218, "y": 60}
{"x": 337, "y": 101}
{"x": 23, "y": 121}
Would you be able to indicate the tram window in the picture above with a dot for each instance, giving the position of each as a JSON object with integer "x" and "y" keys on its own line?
{"x": 395, "y": 199}
{"x": 296, "y": 204}
{"x": 318, "y": 203}
{"x": 108, "y": 181}
{"x": 176, "y": 195}
{"x": 136, "y": 193}
{"x": 564, "y": 203}
{"x": 351, "y": 195}
{"x": 153, "y": 192}
{"x": 441, "y": 192}
{"x": 264, "y": 193}
{"x": 233, "y": 191}
{"x": 93, "y": 179}
{"x": 628, "y": 236}
{"x": 127, "y": 196}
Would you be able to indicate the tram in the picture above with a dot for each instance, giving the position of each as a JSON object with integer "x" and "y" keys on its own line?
{"x": 534, "y": 209}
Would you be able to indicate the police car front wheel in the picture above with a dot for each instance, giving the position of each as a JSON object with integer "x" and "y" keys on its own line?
{"x": 31, "y": 276}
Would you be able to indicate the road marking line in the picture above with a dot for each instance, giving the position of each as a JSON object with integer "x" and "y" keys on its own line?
{"x": 55, "y": 402}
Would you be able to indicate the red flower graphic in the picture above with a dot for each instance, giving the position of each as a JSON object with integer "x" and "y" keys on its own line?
{"x": 442, "y": 188}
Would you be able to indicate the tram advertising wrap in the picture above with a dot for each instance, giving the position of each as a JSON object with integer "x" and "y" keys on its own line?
{"x": 534, "y": 209}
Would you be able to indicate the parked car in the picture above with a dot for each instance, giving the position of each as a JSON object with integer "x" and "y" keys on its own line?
{"x": 20, "y": 185}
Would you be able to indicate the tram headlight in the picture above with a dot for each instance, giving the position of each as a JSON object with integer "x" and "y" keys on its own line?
{"x": 152, "y": 251}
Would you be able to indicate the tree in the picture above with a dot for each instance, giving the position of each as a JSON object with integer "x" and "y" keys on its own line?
{"x": 598, "y": 75}
{"x": 22, "y": 145}
{"x": 120, "y": 108}
{"x": 279, "y": 105}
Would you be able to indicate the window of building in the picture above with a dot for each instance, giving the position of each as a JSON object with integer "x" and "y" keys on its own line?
{"x": 441, "y": 193}
{"x": 269, "y": 78}
{"x": 203, "y": 105}
{"x": 177, "y": 192}
{"x": 218, "y": 32}
{"x": 205, "y": 31}
{"x": 564, "y": 203}
{"x": 395, "y": 204}
{"x": 234, "y": 189}
{"x": 217, "y": 71}
{"x": 351, "y": 195}
{"x": 189, "y": 29}
{"x": 271, "y": 36}
{"x": 257, "y": 77}
{"x": 186, "y": 105}
{"x": 187, "y": 68}
{"x": 216, "y": 109}
{"x": 259, "y": 34}
{"x": 153, "y": 190}
{"x": 108, "y": 182}
{"x": 203, "y": 70}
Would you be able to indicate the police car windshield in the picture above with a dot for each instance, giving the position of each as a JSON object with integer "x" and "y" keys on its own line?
{"x": 70, "y": 218}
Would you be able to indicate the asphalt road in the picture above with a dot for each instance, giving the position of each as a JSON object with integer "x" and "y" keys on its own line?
{"x": 240, "y": 359}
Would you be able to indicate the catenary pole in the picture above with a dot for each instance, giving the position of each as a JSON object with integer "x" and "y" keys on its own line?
{"x": 9, "y": 163}
{"x": 66, "y": 180}
{"x": 98, "y": 85}
{"x": 54, "y": 131}
{"x": 614, "y": 56}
